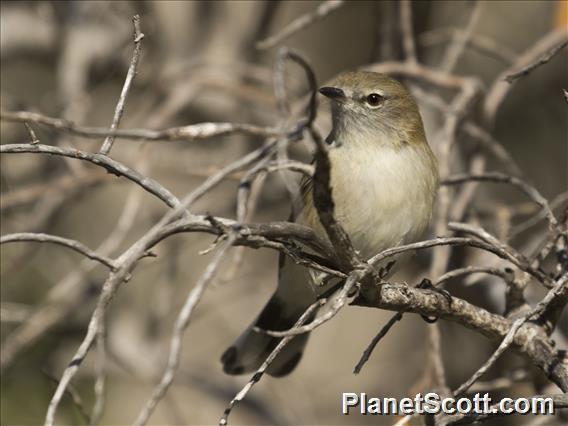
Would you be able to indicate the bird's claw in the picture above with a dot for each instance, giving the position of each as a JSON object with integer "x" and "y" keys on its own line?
{"x": 427, "y": 285}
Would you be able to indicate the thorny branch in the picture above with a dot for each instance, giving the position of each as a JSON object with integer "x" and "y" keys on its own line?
{"x": 528, "y": 335}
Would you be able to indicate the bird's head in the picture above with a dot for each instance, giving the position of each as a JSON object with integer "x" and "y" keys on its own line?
{"x": 366, "y": 103}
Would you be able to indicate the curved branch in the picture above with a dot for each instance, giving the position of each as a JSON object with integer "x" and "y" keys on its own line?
{"x": 274, "y": 231}
{"x": 65, "y": 242}
{"x": 300, "y": 23}
{"x": 500, "y": 88}
{"x": 513, "y": 257}
{"x": 101, "y": 160}
{"x": 497, "y": 177}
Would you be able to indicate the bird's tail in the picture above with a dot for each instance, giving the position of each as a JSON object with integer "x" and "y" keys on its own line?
{"x": 252, "y": 348}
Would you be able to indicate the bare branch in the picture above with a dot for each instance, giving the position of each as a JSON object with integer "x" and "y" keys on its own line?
{"x": 406, "y": 26}
{"x": 259, "y": 373}
{"x": 528, "y": 340}
{"x": 493, "y": 145}
{"x": 502, "y": 178}
{"x": 424, "y": 74}
{"x": 500, "y": 88}
{"x": 504, "y": 382}
{"x": 331, "y": 254}
{"x": 382, "y": 333}
{"x": 323, "y": 10}
{"x": 100, "y": 373}
{"x": 560, "y": 288}
{"x": 128, "y": 260}
{"x": 33, "y": 138}
{"x": 63, "y": 298}
{"x": 559, "y": 401}
{"x": 547, "y": 56}
{"x": 337, "y": 304}
{"x": 184, "y": 133}
{"x": 75, "y": 399}
{"x": 65, "y": 242}
{"x": 461, "y": 39}
{"x": 540, "y": 214}
{"x": 470, "y": 128}
{"x": 479, "y": 42}
{"x": 456, "y": 273}
{"x": 101, "y": 160}
{"x": 513, "y": 257}
{"x": 119, "y": 110}
{"x": 181, "y": 324}
{"x": 66, "y": 183}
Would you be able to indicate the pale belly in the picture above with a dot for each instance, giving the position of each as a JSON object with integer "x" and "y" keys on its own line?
{"x": 383, "y": 197}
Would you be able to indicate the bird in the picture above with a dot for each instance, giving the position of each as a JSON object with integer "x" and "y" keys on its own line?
{"x": 383, "y": 177}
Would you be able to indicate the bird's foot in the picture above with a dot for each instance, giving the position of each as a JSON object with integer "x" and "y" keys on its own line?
{"x": 426, "y": 284}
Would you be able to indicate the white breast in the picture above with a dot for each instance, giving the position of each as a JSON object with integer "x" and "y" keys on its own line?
{"x": 383, "y": 195}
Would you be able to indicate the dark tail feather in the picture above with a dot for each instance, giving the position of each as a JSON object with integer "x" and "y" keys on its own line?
{"x": 252, "y": 348}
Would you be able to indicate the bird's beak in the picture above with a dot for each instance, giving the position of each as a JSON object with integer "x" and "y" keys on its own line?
{"x": 333, "y": 93}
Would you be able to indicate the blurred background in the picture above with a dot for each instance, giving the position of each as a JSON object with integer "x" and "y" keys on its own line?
{"x": 200, "y": 63}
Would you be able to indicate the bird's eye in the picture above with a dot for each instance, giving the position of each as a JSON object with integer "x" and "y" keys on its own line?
{"x": 374, "y": 99}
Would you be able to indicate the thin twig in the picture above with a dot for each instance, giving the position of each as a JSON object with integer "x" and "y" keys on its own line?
{"x": 128, "y": 260}
{"x": 191, "y": 132}
{"x": 181, "y": 324}
{"x": 338, "y": 302}
{"x": 406, "y": 26}
{"x": 100, "y": 373}
{"x": 559, "y": 401}
{"x": 540, "y": 214}
{"x": 470, "y": 128}
{"x": 64, "y": 297}
{"x": 488, "y": 141}
{"x": 479, "y": 42}
{"x": 497, "y": 177}
{"x": 119, "y": 110}
{"x": 382, "y": 333}
{"x": 500, "y": 88}
{"x": 66, "y": 183}
{"x": 510, "y": 336}
{"x": 547, "y": 56}
{"x": 460, "y": 40}
{"x": 323, "y": 10}
{"x": 65, "y": 242}
{"x": 75, "y": 399}
{"x": 512, "y": 256}
{"x": 528, "y": 340}
{"x": 259, "y": 373}
{"x": 468, "y": 270}
{"x": 504, "y": 382}
{"x": 112, "y": 166}
{"x": 33, "y": 138}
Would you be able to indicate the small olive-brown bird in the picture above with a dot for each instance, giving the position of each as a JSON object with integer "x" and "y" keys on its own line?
{"x": 384, "y": 179}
